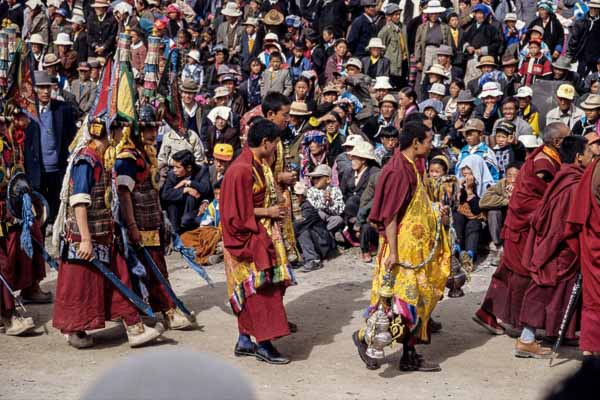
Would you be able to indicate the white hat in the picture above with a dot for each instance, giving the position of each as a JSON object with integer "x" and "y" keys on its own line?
{"x": 352, "y": 140}
{"x": 437, "y": 69}
{"x": 194, "y": 55}
{"x": 221, "y": 112}
{"x": 321, "y": 170}
{"x": 251, "y": 21}
{"x": 53, "y": 3}
{"x": 221, "y": 91}
{"x": 231, "y": 9}
{"x": 511, "y": 17}
{"x": 530, "y": 141}
{"x": 434, "y": 7}
{"x": 300, "y": 188}
{"x": 594, "y": 4}
{"x": 271, "y": 37}
{"x": 375, "y": 43}
{"x": 353, "y": 62}
{"x": 438, "y": 88}
{"x": 490, "y": 89}
{"x": 364, "y": 150}
{"x": 76, "y": 19}
{"x": 123, "y": 8}
{"x": 37, "y": 39}
{"x": 524, "y": 91}
{"x": 33, "y": 4}
{"x": 63, "y": 39}
{"x": 100, "y": 4}
{"x": 382, "y": 82}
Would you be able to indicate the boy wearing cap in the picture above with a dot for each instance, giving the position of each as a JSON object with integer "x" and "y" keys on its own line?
{"x": 222, "y": 157}
{"x": 535, "y": 66}
{"x": 473, "y": 134}
{"x": 566, "y": 112}
{"x": 505, "y": 155}
{"x": 322, "y": 218}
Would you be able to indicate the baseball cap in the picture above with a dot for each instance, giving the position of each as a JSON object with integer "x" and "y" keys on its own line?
{"x": 223, "y": 152}
{"x": 321, "y": 170}
{"x": 473, "y": 124}
{"x": 507, "y": 127}
{"x": 566, "y": 91}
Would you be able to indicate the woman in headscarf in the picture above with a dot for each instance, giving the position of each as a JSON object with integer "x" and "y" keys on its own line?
{"x": 315, "y": 149}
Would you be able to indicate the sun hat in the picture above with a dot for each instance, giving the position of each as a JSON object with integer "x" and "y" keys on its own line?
{"x": 271, "y": 37}
{"x": 465, "y": 96}
{"x": 331, "y": 87}
{"x": 438, "y": 88}
{"x": 486, "y": 60}
{"x": 299, "y": 109}
{"x": 194, "y": 55}
{"x": 566, "y": 91}
{"x": 437, "y": 69}
{"x": 391, "y": 9}
{"x": 389, "y": 98}
{"x": 231, "y": 9}
{"x": 190, "y": 86}
{"x": 221, "y": 91}
{"x": 490, "y": 89}
{"x": 223, "y": 152}
{"x": 352, "y": 140}
{"x": 100, "y": 4}
{"x": 363, "y": 150}
{"x": 592, "y": 102}
{"x": 50, "y": 59}
{"x": 434, "y": 7}
{"x": 375, "y": 43}
{"x": 63, "y": 39}
{"x": 36, "y": 38}
{"x": 437, "y": 105}
{"x": 83, "y": 66}
{"x": 222, "y": 112}
{"x": 524, "y": 91}
{"x": 251, "y": 21}
{"x": 509, "y": 60}
{"x": 530, "y": 141}
{"x": 76, "y": 19}
{"x": 383, "y": 83}
{"x": 353, "y": 62}
{"x": 273, "y": 17}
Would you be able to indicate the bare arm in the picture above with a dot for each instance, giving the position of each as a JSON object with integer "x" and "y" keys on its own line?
{"x": 391, "y": 231}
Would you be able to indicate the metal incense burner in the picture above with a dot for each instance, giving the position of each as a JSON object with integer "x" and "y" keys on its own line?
{"x": 377, "y": 332}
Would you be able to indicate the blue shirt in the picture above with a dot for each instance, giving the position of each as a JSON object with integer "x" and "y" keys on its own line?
{"x": 48, "y": 142}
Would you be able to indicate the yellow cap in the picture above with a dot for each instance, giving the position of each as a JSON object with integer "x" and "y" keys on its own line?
{"x": 223, "y": 152}
{"x": 566, "y": 91}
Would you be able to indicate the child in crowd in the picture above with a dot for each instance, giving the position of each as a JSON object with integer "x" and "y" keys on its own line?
{"x": 505, "y": 155}
{"x": 193, "y": 70}
{"x": 275, "y": 78}
{"x": 535, "y": 66}
{"x": 473, "y": 133}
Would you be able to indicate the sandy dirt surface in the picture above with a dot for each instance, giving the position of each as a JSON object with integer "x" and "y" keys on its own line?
{"x": 327, "y": 305}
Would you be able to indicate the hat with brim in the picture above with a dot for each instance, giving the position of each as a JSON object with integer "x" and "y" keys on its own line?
{"x": 511, "y": 17}
{"x": 83, "y": 66}
{"x": 523, "y": 92}
{"x": 189, "y": 86}
{"x": 299, "y": 109}
{"x": 437, "y": 69}
{"x": 391, "y": 9}
{"x": 592, "y": 102}
{"x": 507, "y": 127}
{"x": 300, "y": 188}
{"x": 353, "y": 62}
{"x": 223, "y": 152}
{"x": 594, "y": 4}
{"x": 530, "y": 141}
{"x": 434, "y": 7}
{"x": 592, "y": 138}
{"x": 363, "y": 150}
{"x": 389, "y": 98}
{"x": 445, "y": 50}
{"x": 320, "y": 171}
{"x": 352, "y": 140}
{"x": 509, "y": 61}
{"x": 42, "y": 78}
{"x": 100, "y": 4}
{"x": 375, "y": 43}
{"x": 566, "y": 91}
{"x": 36, "y": 38}
{"x": 194, "y": 55}
{"x": 486, "y": 60}
{"x": 382, "y": 83}
{"x": 465, "y": 96}
{"x": 251, "y": 21}
{"x": 562, "y": 63}
{"x": 271, "y": 37}
{"x": 331, "y": 88}
{"x": 437, "y": 88}
{"x": 490, "y": 89}
{"x": 50, "y": 60}
{"x": 63, "y": 40}
{"x": 437, "y": 105}
{"x": 273, "y": 17}
{"x": 231, "y": 9}
{"x": 473, "y": 124}
{"x": 221, "y": 91}
{"x": 76, "y": 19}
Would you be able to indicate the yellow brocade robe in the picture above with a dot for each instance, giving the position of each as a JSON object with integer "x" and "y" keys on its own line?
{"x": 416, "y": 291}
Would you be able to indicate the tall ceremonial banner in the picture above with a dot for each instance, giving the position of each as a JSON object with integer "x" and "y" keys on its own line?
{"x": 21, "y": 85}
{"x": 103, "y": 92}
{"x": 169, "y": 89}
{"x": 122, "y": 102}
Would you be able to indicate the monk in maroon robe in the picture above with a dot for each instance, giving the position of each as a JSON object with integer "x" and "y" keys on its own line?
{"x": 510, "y": 281}
{"x": 548, "y": 257}
{"x": 584, "y": 220}
{"x": 255, "y": 260}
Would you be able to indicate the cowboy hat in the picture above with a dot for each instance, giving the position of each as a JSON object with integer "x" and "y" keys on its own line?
{"x": 363, "y": 150}
{"x": 190, "y": 86}
{"x": 50, "y": 59}
{"x": 592, "y": 102}
{"x": 299, "y": 109}
{"x": 437, "y": 69}
{"x": 389, "y": 98}
{"x": 231, "y": 9}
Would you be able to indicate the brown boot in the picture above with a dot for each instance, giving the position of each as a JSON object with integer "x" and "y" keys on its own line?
{"x": 531, "y": 350}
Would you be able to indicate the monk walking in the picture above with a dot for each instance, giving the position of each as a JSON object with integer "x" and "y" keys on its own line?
{"x": 256, "y": 261}
{"x": 551, "y": 262}
{"x": 413, "y": 249}
{"x": 510, "y": 281}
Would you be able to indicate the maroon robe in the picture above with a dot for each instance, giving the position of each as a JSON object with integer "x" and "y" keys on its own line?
{"x": 504, "y": 297}
{"x": 551, "y": 263}
{"x": 584, "y": 220}
{"x": 395, "y": 188}
{"x": 246, "y": 239}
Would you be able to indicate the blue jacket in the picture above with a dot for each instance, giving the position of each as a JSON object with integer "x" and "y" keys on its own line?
{"x": 297, "y": 70}
{"x": 64, "y": 130}
{"x": 361, "y": 31}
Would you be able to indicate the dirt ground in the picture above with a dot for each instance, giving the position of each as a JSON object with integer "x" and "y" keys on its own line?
{"x": 327, "y": 306}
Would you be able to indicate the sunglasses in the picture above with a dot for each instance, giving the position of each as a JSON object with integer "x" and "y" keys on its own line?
{"x": 317, "y": 140}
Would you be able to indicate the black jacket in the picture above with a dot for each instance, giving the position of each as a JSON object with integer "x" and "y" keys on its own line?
{"x": 334, "y": 14}
{"x": 246, "y": 55}
{"x": 484, "y": 36}
{"x": 80, "y": 45}
{"x": 101, "y": 33}
{"x": 64, "y": 130}
{"x": 361, "y": 31}
{"x": 554, "y": 33}
{"x": 583, "y": 44}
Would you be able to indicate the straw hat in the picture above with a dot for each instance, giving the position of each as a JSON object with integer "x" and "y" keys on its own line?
{"x": 50, "y": 59}
{"x": 63, "y": 39}
{"x": 231, "y": 9}
{"x": 36, "y": 38}
{"x": 383, "y": 83}
{"x": 434, "y": 7}
{"x": 375, "y": 43}
{"x": 437, "y": 69}
{"x": 273, "y": 17}
{"x": 389, "y": 98}
{"x": 487, "y": 60}
{"x": 592, "y": 102}
{"x": 364, "y": 150}
{"x": 299, "y": 109}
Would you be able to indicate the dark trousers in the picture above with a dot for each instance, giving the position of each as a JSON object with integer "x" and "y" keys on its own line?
{"x": 182, "y": 214}
{"x": 368, "y": 237}
{"x": 50, "y": 186}
{"x": 495, "y": 220}
{"x": 467, "y": 232}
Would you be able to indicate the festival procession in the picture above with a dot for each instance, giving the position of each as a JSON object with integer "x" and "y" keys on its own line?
{"x": 260, "y": 145}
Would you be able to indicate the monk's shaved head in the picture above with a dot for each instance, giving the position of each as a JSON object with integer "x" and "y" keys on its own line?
{"x": 554, "y": 133}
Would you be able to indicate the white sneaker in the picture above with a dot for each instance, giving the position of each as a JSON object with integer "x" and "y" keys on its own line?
{"x": 176, "y": 320}
{"x": 18, "y": 325}
{"x": 140, "y": 334}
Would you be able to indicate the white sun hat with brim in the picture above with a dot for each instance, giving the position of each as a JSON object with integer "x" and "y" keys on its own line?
{"x": 363, "y": 150}
{"x": 434, "y": 7}
{"x": 490, "y": 89}
{"x": 63, "y": 39}
{"x": 352, "y": 140}
{"x": 530, "y": 141}
{"x": 222, "y": 112}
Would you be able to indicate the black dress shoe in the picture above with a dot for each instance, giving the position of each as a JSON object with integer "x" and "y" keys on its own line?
{"x": 411, "y": 361}
{"x": 361, "y": 346}
{"x": 269, "y": 354}
{"x": 243, "y": 351}
{"x": 293, "y": 327}
{"x": 435, "y": 326}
